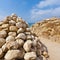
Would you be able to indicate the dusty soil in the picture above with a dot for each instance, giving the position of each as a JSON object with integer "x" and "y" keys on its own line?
{"x": 53, "y": 48}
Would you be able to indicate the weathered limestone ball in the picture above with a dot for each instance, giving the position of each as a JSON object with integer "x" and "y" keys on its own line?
{"x": 5, "y": 25}
{"x": 1, "y": 53}
{"x": 11, "y": 54}
{"x": 20, "y": 42}
{"x": 45, "y": 54}
{"x": 3, "y": 34}
{"x": 4, "y": 48}
{"x": 30, "y": 56}
{"x": 12, "y": 22}
{"x": 12, "y": 45}
{"x": 21, "y": 25}
{"x": 13, "y": 28}
{"x": 28, "y": 29}
{"x": 27, "y": 45}
{"x": 20, "y": 30}
{"x": 2, "y": 42}
{"x": 21, "y": 36}
{"x": 10, "y": 38}
{"x": 12, "y": 34}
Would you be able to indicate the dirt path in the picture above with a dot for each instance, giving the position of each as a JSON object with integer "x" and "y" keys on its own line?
{"x": 53, "y": 49}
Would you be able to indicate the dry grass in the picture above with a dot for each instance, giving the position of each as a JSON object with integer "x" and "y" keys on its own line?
{"x": 49, "y": 28}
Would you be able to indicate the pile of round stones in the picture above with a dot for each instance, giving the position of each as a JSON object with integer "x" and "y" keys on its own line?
{"x": 17, "y": 42}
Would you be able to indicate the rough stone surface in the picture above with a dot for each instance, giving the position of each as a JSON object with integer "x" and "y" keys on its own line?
{"x": 2, "y": 42}
{"x": 10, "y": 38}
{"x": 21, "y": 36}
{"x": 27, "y": 45}
{"x": 17, "y": 42}
{"x": 12, "y": 34}
{"x": 3, "y": 34}
{"x": 30, "y": 56}
{"x": 11, "y": 54}
{"x": 1, "y": 53}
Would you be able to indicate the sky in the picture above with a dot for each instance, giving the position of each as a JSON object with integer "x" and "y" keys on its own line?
{"x": 31, "y": 11}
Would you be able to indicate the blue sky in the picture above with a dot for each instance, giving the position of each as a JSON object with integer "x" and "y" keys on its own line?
{"x": 30, "y": 10}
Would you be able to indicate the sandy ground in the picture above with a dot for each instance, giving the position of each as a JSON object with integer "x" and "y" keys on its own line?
{"x": 53, "y": 49}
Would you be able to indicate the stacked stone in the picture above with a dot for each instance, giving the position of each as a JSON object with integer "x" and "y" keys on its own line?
{"x": 17, "y": 41}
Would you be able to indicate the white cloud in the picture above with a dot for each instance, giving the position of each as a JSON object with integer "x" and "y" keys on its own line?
{"x": 37, "y": 13}
{"x": 45, "y": 3}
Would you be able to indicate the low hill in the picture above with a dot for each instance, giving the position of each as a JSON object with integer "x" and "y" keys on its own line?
{"x": 48, "y": 28}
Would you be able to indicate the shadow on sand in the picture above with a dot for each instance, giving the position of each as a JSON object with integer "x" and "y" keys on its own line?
{"x": 43, "y": 48}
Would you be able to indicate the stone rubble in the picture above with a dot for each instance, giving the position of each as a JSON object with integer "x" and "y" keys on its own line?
{"x": 17, "y": 42}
